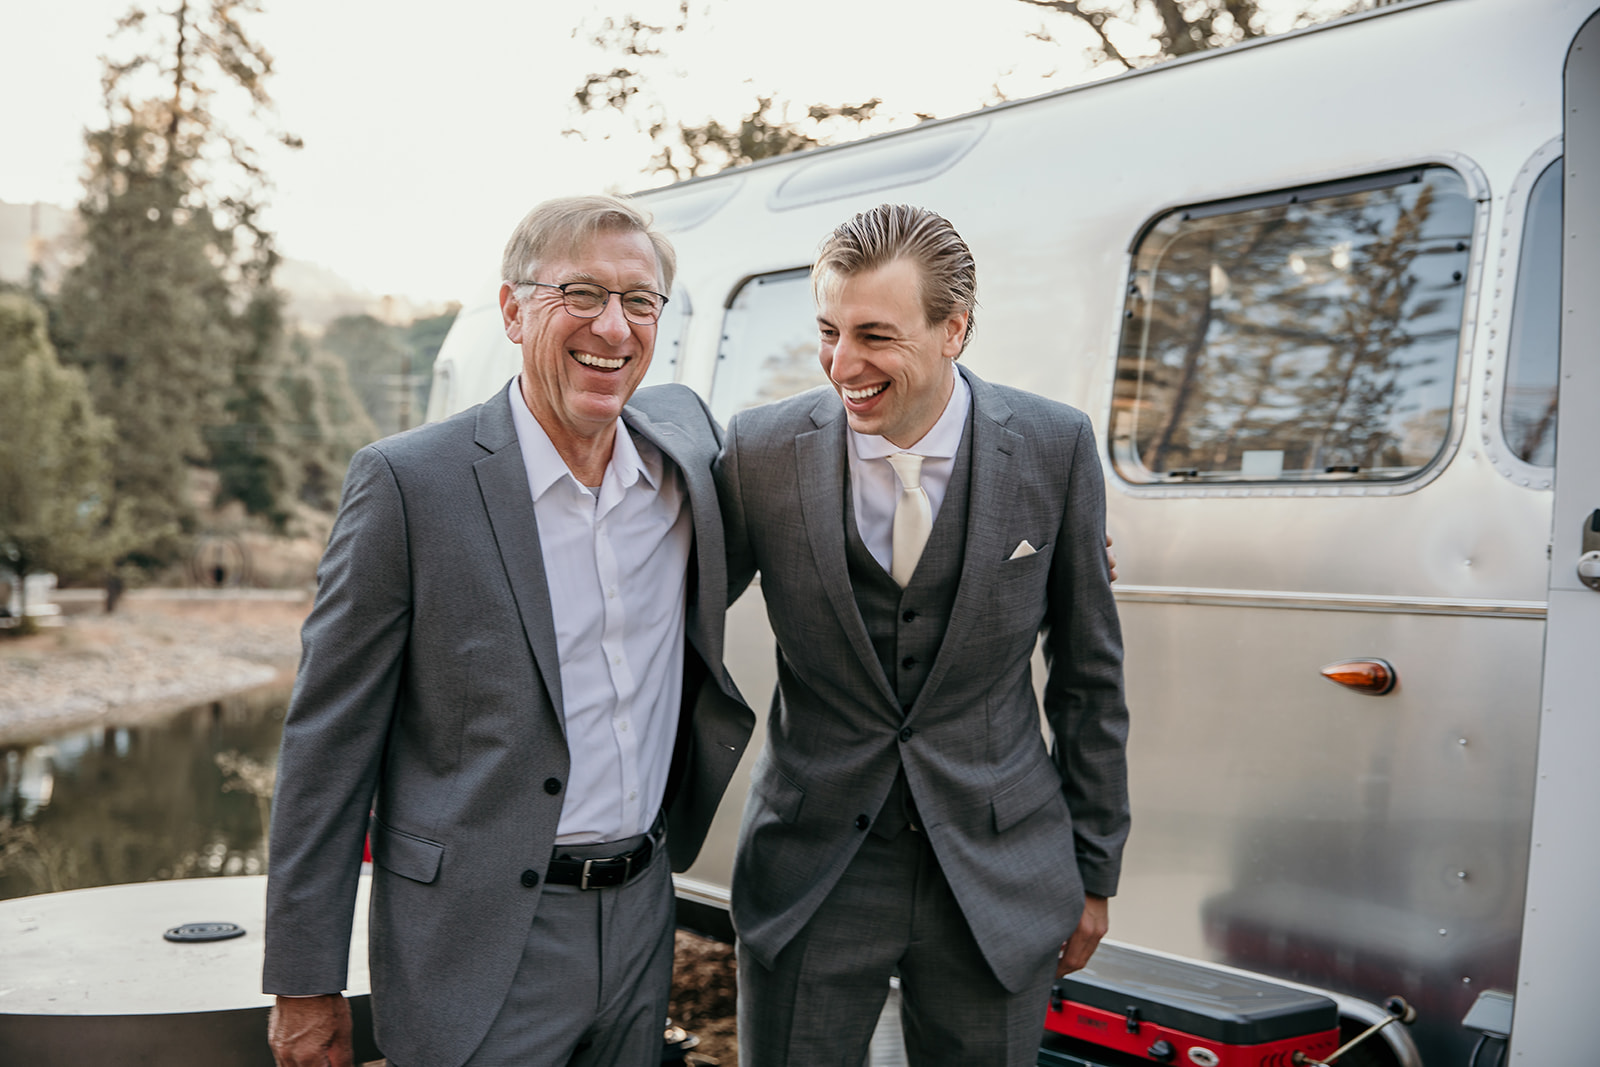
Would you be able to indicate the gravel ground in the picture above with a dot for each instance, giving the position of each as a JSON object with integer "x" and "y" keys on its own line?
{"x": 154, "y": 654}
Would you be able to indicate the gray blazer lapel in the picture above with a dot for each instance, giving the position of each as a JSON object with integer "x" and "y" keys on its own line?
{"x": 711, "y": 592}
{"x": 990, "y": 492}
{"x": 820, "y": 459}
{"x": 503, "y": 481}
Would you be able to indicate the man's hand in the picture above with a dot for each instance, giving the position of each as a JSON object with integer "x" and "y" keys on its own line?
{"x": 1111, "y": 558}
{"x": 311, "y": 1032}
{"x": 1092, "y": 926}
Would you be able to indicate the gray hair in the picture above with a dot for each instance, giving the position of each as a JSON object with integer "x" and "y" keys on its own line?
{"x": 562, "y": 226}
{"x": 888, "y": 232}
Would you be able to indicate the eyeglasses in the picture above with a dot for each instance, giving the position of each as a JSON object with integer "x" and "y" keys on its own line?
{"x": 585, "y": 300}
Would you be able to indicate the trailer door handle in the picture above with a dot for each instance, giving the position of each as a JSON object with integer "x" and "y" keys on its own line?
{"x": 1589, "y": 562}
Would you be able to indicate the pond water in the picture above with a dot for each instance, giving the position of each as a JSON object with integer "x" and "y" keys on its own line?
{"x": 182, "y": 796}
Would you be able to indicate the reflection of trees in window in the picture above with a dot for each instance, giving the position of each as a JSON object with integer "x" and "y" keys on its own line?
{"x": 769, "y": 344}
{"x": 1528, "y": 411}
{"x": 1296, "y": 336}
{"x": 792, "y": 369}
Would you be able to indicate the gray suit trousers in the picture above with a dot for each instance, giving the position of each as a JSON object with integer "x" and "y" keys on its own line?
{"x": 892, "y": 912}
{"x": 605, "y": 956}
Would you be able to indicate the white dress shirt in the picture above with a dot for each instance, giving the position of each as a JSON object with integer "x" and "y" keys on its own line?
{"x": 616, "y": 564}
{"x": 874, "y": 487}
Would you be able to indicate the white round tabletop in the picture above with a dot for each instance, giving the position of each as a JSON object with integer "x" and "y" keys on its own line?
{"x": 101, "y": 951}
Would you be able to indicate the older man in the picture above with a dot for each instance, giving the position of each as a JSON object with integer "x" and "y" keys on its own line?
{"x": 916, "y": 530}
{"x": 515, "y": 662}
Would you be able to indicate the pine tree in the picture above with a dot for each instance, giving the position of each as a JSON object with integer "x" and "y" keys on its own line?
{"x": 171, "y": 313}
{"x": 253, "y": 450}
{"x": 327, "y": 421}
{"x": 146, "y": 316}
{"x": 53, "y": 484}
{"x": 376, "y": 356}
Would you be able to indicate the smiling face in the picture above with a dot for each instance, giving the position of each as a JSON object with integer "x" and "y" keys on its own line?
{"x": 578, "y": 373}
{"x": 889, "y": 366}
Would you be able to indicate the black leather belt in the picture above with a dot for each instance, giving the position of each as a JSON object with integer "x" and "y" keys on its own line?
{"x": 605, "y": 872}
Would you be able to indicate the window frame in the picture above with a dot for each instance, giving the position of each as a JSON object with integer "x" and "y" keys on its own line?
{"x": 676, "y": 346}
{"x": 1477, "y": 188}
{"x": 1496, "y": 363}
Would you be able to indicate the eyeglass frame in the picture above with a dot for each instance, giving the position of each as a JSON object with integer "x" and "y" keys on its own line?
{"x": 562, "y": 289}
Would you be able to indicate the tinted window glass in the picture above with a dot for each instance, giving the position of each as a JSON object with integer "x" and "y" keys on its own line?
{"x": 1528, "y": 412}
{"x": 1308, "y": 335}
{"x": 769, "y": 344}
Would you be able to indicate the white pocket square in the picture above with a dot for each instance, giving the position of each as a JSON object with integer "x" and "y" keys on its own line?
{"x": 1022, "y": 549}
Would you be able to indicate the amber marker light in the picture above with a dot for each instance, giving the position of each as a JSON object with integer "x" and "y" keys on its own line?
{"x": 1372, "y": 676}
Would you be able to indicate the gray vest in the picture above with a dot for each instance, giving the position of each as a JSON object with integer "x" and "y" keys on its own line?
{"x": 908, "y": 625}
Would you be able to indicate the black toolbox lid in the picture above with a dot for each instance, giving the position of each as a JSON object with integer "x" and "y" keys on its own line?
{"x": 1196, "y": 999}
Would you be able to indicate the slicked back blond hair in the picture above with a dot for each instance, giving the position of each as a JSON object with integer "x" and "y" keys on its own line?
{"x": 560, "y": 227}
{"x": 889, "y": 232}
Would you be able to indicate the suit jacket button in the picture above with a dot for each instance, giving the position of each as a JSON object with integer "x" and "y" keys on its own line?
{"x": 907, "y": 615}
{"x": 552, "y": 786}
{"x": 862, "y": 822}
{"x": 908, "y": 662}
{"x": 530, "y": 878}
{"x": 905, "y": 734}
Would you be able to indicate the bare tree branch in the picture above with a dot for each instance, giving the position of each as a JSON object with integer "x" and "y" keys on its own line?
{"x": 1095, "y": 20}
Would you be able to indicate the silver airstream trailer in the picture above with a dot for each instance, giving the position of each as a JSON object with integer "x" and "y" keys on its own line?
{"x": 1317, "y": 296}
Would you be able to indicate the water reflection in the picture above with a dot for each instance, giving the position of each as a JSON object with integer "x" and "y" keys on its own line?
{"x": 179, "y": 797}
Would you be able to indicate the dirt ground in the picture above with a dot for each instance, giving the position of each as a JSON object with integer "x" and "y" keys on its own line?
{"x": 158, "y": 652}
{"x": 704, "y": 987}
{"x": 162, "y": 651}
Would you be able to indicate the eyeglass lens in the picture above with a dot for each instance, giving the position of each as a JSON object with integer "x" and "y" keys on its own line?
{"x": 638, "y": 305}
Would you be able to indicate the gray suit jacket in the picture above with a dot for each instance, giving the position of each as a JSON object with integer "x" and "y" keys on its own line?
{"x": 1020, "y": 831}
{"x": 430, "y": 692}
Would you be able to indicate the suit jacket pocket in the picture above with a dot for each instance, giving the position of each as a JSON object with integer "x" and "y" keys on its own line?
{"x": 1037, "y": 561}
{"x": 1026, "y": 795}
{"x": 781, "y": 795}
{"x": 405, "y": 854}
{"x": 1019, "y": 584}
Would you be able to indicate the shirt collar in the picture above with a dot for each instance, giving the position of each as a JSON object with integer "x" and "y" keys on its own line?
{"x": 941, "y": 442}
{"x": 546, "y": 467}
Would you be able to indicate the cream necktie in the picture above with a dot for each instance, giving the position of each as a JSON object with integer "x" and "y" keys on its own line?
{"x": 913, "y": 517}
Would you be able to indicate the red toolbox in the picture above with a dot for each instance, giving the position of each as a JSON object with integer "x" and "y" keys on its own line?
{"x": 1160, "y": 1010}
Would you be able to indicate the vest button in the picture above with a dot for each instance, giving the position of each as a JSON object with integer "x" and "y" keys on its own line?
{"x": 908, "y": 663}
{"x": 530, "y": 878}
{"x": 552, "y": 786}
{"x": 907, "y": 615}
{"x": 862, "y": 822}
{"x": 905, "y": 734}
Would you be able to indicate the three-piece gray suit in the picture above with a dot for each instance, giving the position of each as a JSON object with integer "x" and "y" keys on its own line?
{"x": 917, "y": 704}
{"x": 429, "y": 691}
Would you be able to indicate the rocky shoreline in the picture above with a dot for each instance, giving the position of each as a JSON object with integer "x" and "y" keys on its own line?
{"x": 162, "y": 650}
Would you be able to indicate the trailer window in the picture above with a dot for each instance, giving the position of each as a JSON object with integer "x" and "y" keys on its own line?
{"x": 670, "y": 329}
{"x": 769, "y": 344}
{"x": 1309, "y": 335}
{"x": 1528, "y": 413}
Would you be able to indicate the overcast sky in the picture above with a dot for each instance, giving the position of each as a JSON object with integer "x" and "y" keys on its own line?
{"x": 430, "y": 128}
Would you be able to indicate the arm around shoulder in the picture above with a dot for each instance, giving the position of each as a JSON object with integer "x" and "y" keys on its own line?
{"x": 735, "y": 527}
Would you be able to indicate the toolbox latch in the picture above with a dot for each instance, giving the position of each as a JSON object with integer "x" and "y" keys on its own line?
{"x": 1132, "y": 1013}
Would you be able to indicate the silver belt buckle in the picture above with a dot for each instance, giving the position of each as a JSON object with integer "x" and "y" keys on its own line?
{"x": 583, "y": 880}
